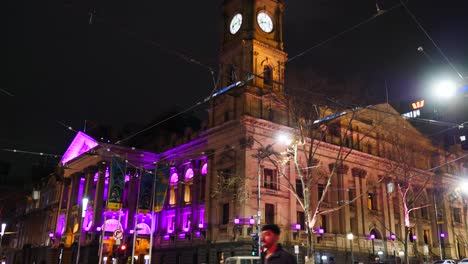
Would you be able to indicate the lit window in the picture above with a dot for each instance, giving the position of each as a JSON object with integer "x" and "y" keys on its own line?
{"x": 370, "y": 201}
{"x": 173, "y": 189}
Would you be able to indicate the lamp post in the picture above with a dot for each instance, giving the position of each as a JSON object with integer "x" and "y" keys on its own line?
{"x": 84, "y": 206}
{"x": 2, "y": 233}
{"x": 350, "y": 237}
{"x": 393, "y": 237}
{"x": 442, "y": 237}
{"x": 372, "y": 237}
{"x": 264, "y": 152}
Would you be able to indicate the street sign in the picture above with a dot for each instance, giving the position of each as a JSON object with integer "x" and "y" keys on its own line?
{"x": 118, "y": 234}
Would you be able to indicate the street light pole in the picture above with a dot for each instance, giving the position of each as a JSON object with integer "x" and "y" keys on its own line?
{"x": 350, "y": 237}
{"x": 259, "y": 174}
{"x": 437, "y": 224}
{"x": 372, "y": 237}
{"x": 2, "y": 233}
{"x": 84, "y": 205}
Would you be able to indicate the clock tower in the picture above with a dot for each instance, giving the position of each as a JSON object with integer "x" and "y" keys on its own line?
{"x": 252, "y": 45}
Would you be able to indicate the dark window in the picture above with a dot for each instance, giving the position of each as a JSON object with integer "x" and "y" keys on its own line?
{"x": 426, "y": 236}
{"x": 299, "y": 189}
{"x": 270, "y": 179}
{"x": 320, "y": 190}
{"x": 424, "y": 213}
{"x": 269, "y": 213}
{"x": 301, "y": 219}
{"x": 226, "y": 116}
{"x": 324, "y": 223}
{"x": 457, "y": 215}
{"x": 225, "y": 215}
{"x": 268, "y": 76}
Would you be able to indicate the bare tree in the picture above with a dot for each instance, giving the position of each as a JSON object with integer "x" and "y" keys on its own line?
{"x": 318, "y": 127}
{"x": 407, "y": 168}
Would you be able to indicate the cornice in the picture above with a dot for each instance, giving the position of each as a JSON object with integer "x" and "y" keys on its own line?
{"x": 265, "y": 45}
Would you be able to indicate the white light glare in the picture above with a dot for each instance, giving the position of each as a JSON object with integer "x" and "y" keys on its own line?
{"x": 445, "y": 89}
{"x": 284, "y": 139}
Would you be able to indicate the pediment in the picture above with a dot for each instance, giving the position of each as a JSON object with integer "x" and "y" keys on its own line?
{"x": 81, "y": 143}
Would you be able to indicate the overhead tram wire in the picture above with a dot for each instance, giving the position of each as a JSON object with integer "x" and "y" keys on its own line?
{"x": 206, "y": 99}
{"x": 161, "y": 47}
{"x": 431, "y": 39}
{"x": 32, "y": 153}
{"x": 249, "y": 75}
{"x": 300, "y": 54}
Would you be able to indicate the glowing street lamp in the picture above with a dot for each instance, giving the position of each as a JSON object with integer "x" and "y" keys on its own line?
{"x": 350, "y": 237}
{"x": 372, "y": 237}
{"x": 2, "y": 233}
{"x": 445, "y": 89}
{"x": 84, "y": 207}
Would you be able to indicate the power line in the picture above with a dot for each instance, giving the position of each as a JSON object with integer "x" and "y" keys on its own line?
{"x": 431, "y": 39}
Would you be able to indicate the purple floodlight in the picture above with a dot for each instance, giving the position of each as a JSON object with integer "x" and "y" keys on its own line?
{"x": 174, "y": 178}
{"x": 200, "y": 225}
{"x": 237, "y": 221}
{"x": 51, "y": 235}
{"x": 182, "y": 235}
{"x": 372, "y": 236}
{"x": 98, "y": 228}
{"x": 442, "y": 235}
{"x": 186, "y": 229}
{"x": 189, "y": 174}
{"x": 166, "y": 237}
{"x": 131, "y": 231}
{"x": 80, "y": 144}
{"x": 321, "y": 231}
{"x": 297, "y": 226}
{"x": 392, "y": 236}
{"x": 204, "y": 169}
{"x": 414, "y": 237}
{"x": 197, "y": 234}
{"x": 251, "y": 221}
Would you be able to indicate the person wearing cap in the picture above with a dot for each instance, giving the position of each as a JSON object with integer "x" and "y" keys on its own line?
{"x": 274, "y": 253}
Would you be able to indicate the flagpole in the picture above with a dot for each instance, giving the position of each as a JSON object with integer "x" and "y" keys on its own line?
{"x": 136, "y": 217}
{"x": 152, "y": 211}
{"x": 104, "y": 225}
{"x": 102, "y": 239}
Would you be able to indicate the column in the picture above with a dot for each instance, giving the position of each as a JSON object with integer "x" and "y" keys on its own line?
{"x": 99, "y": 196}
{"x": 359, "y": 176}
{"x": 341, "y": 197}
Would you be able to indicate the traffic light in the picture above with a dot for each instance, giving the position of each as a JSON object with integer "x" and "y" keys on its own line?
{"x": 254, "y": 251}
{"x": 122, "y": 251}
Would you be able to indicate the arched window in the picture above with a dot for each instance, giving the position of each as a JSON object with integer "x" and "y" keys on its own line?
{"x": 188, "y": 185}
{"x": 267, "y": 76}
{"x": 173, "y": 189}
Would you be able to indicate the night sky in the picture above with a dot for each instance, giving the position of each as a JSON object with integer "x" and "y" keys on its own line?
{"x": 135, "y": 58}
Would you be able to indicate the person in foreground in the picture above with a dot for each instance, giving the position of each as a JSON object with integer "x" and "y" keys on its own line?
{"x": 274, "y": 252}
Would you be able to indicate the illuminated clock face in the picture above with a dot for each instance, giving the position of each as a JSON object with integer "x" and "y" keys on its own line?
{"x": 236, "y": 23}
{"x": 264, "y": 22}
